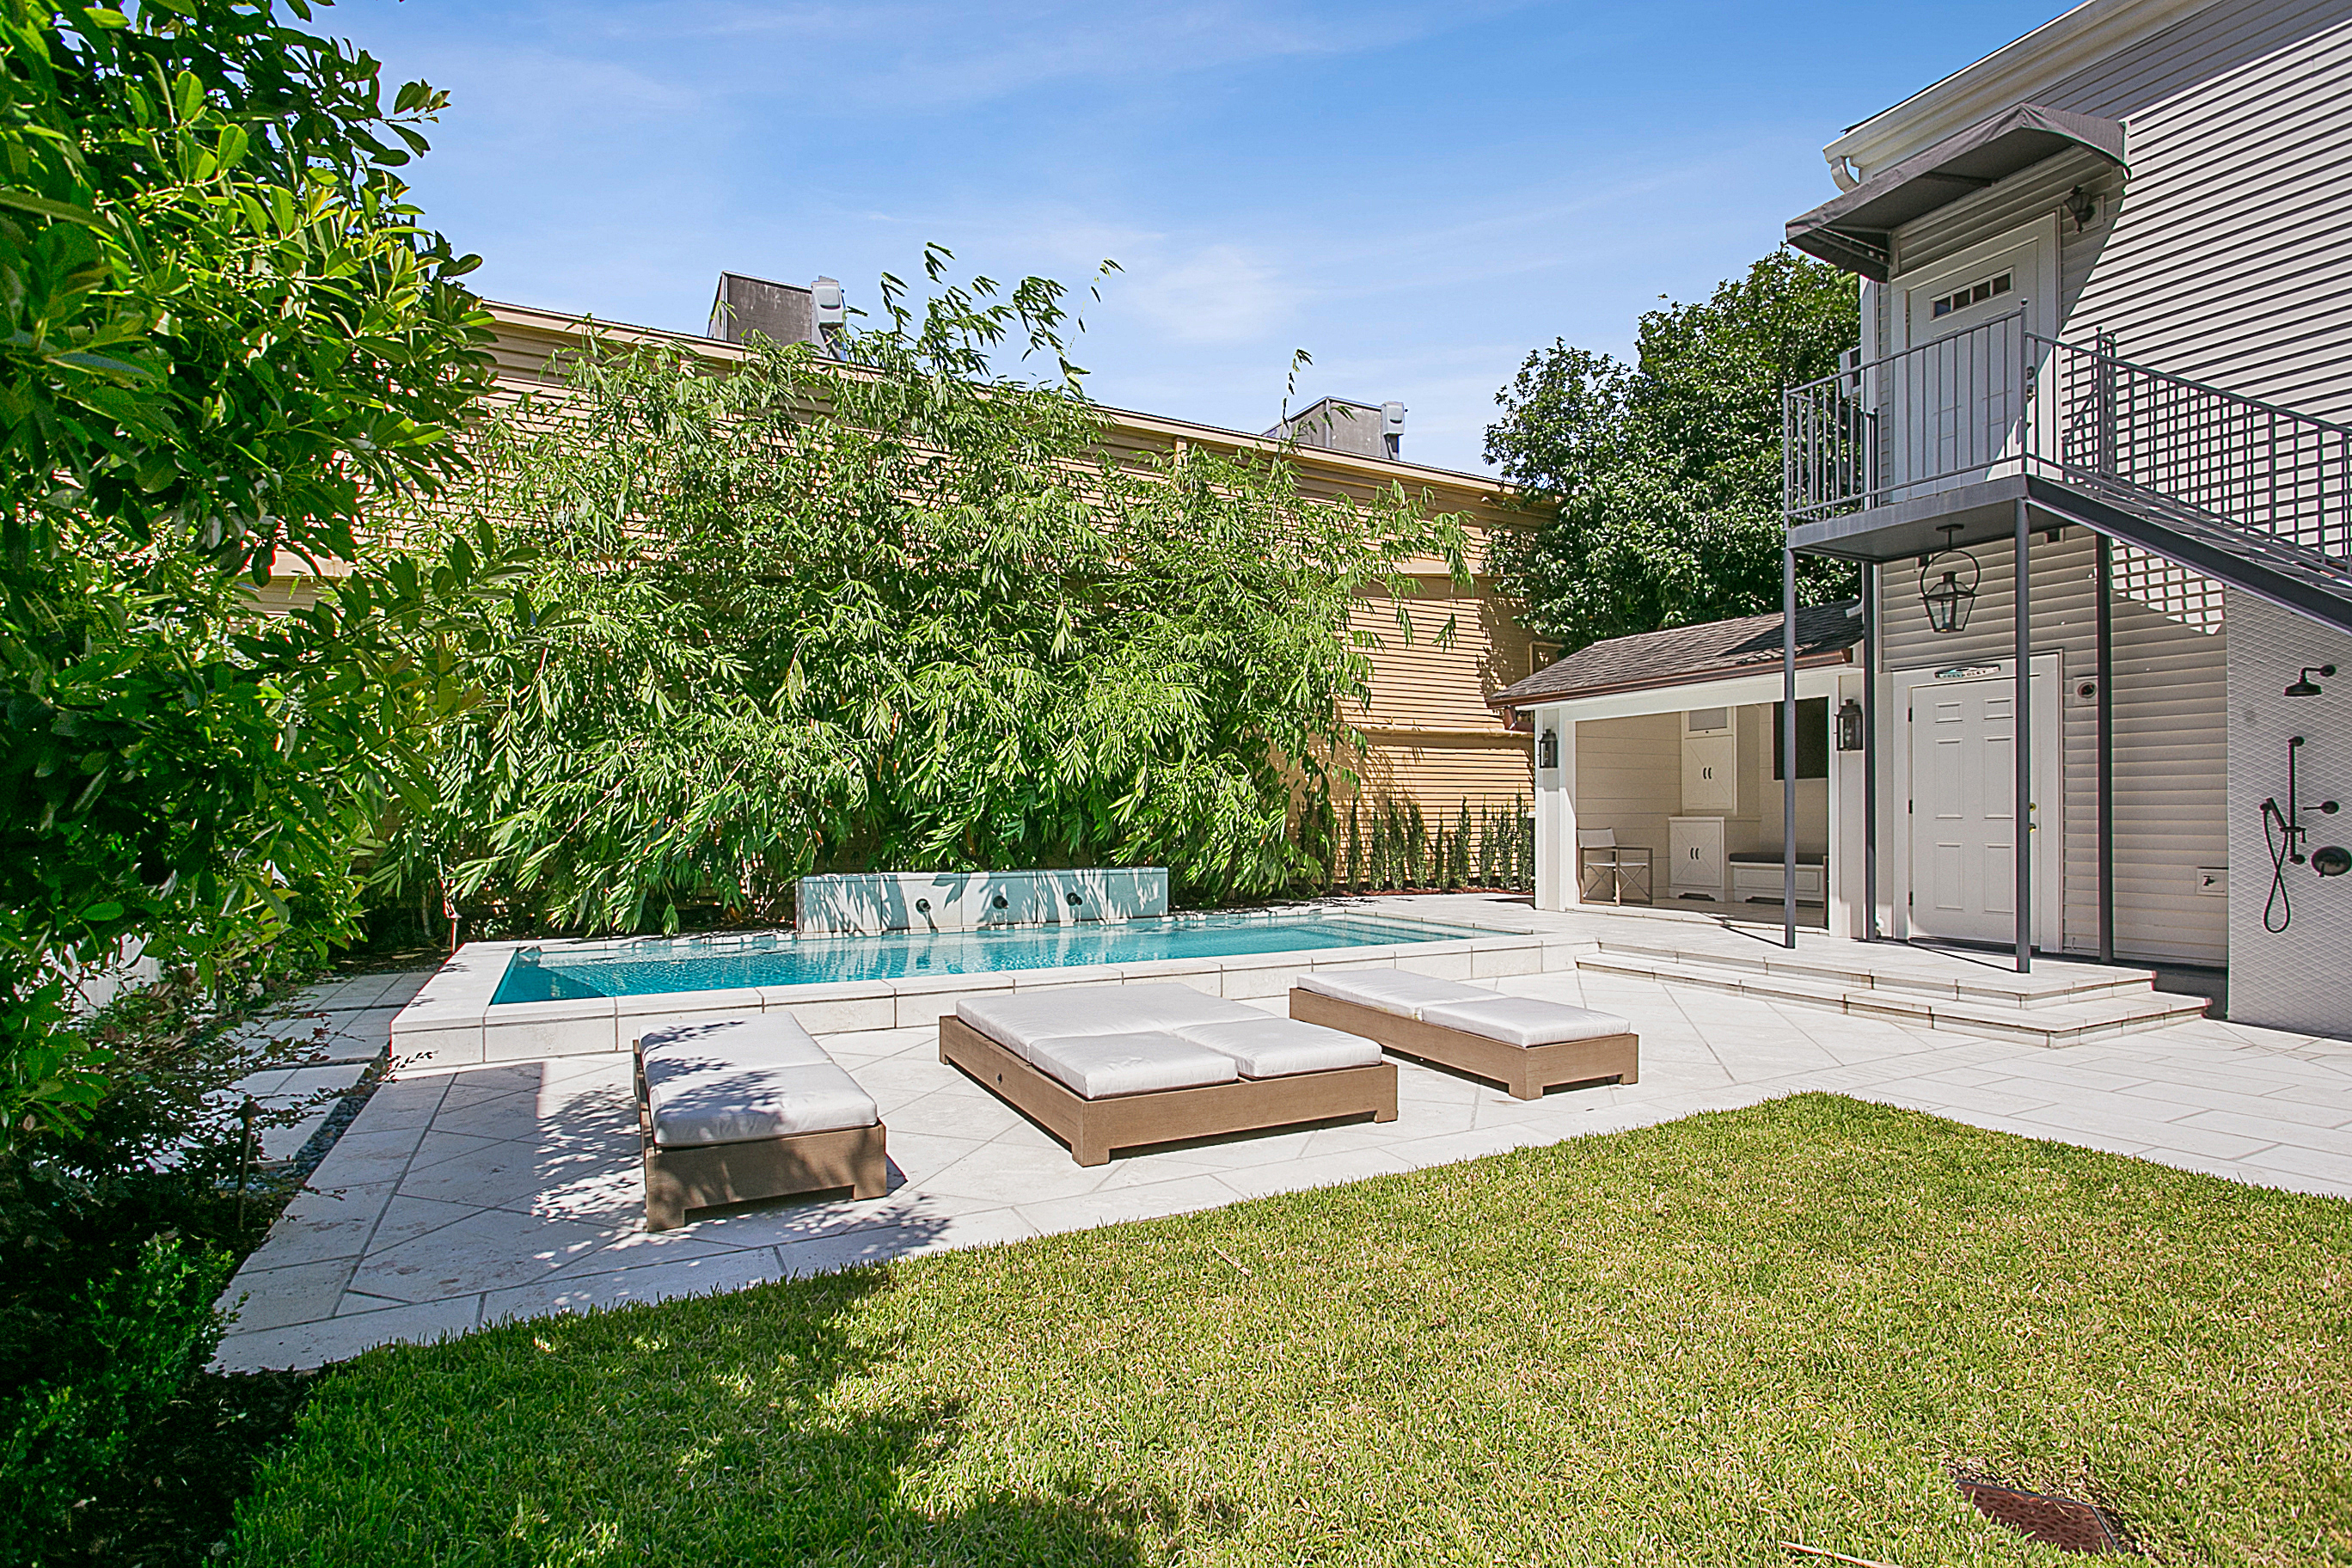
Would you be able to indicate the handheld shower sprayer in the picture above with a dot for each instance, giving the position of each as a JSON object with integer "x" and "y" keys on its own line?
{"x": 2284, "y": 834}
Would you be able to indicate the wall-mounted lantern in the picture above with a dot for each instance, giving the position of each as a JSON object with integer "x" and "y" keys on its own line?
{"x": 1953, "y": 593}
{"x": 1547, "y": 747}
{"x": 1850, "y": 726}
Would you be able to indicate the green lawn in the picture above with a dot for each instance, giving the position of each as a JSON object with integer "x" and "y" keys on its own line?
{"x": 1679, "y": 1345}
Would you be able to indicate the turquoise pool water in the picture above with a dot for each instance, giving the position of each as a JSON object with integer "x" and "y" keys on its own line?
{"x": 707, "y": 964}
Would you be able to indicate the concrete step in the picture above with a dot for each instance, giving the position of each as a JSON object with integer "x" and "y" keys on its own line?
{"x": 2054, "y": 1023}
{"x": 1890, "y": 966}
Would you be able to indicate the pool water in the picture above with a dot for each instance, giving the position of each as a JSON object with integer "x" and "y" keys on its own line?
{"x": 718, "y": 964}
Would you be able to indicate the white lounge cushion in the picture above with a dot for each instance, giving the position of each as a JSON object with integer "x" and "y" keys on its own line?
{"x": 1523, "y": 1020}
{"x": 767, "y": 1040}
{"x": 1134, "y": 1061}
{"x": 696, "y": 1100}
{"x": 1398, "y": 991}
{"x": 1268, "y": 1046}
{"x": 1015, "y": 1020}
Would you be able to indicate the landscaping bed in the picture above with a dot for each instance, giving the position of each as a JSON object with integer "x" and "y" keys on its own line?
{"x": 1688, "y": 1344}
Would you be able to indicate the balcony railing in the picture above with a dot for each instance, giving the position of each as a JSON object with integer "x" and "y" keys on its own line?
{"x": 1997, "y": 400}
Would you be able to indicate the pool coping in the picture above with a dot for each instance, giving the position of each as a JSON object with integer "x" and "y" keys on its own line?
{"x": 450, "y": 1022}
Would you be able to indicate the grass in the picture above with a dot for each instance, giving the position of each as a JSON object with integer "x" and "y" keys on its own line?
{"x": 1683, "y": 1344}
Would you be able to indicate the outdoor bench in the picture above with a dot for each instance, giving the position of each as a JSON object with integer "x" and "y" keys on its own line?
{"x": 1525, "y": 1045}
{"x": 749, "y": 1107}
{"x": 1117, "y": 1066}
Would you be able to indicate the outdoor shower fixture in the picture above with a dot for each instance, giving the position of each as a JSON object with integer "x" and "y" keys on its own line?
{"x": 2284, "y": 834}
{"x": 2303, "y": 685}
{"x": 1948, "y": 599}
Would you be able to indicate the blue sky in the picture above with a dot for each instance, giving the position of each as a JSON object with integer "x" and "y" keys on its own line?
{"x": 1416, "y": 194}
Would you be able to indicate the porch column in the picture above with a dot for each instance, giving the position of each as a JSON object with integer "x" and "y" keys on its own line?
{"x": 2024, "y": 743}
{"x": 1555, "y": 808}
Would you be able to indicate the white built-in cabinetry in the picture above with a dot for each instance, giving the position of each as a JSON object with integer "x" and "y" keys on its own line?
{"x": 1710, "y": 763}
{"x": 1695, "y": 851}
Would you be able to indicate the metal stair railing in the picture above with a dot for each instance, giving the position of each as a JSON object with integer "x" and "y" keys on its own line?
{"x": 1996, "y": 399}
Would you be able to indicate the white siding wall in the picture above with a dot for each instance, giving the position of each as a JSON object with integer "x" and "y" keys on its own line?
{"x": 1629, "y": 776}
{"x": 2171, "y": 750}
{"x": 2224, "y": 259}
{"x": 2292, "y": 979}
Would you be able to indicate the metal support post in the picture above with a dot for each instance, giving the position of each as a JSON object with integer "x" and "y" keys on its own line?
{"x": 2024, "y": 743}
{"x": 2106, "y": 678}
{"x": 1788, "y": 746}
{"x": 1870, "y": 752}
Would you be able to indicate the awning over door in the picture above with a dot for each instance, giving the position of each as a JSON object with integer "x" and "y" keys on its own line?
{"x": 1852, "y": 231}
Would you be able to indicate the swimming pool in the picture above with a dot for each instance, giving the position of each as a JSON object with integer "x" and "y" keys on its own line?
{"x": 661, "y": 965}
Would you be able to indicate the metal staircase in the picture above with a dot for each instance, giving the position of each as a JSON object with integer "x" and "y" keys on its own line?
{"x": 2251, "y": 494}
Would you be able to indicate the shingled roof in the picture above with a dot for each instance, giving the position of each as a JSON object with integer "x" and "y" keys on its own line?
{"x": 1680, "y": 655}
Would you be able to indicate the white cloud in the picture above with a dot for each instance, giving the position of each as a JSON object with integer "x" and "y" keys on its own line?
{"x": 1209, "y": 294}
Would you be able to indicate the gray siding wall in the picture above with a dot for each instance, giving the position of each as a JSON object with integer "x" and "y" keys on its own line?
{"x": 2171, "y": 750}
{"x": 2225, "y": 260}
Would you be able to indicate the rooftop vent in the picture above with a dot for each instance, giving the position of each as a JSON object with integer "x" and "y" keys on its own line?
{"x": 1338, "y": 425}
{"x": 782, "y": 313}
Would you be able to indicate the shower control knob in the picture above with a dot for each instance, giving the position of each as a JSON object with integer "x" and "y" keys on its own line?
{"x": 2332, "y": 861}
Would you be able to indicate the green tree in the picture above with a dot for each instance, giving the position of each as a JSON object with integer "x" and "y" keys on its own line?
{"x": 1659, "y": 482}
{"x": 899, "y": 612}
{"x": 223, "y": 326}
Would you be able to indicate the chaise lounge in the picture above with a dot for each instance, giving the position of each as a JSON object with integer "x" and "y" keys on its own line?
{"x": 1525, "y": 1045}
{"x": 1117, "y": 1066}
{"x": 749, "y": 1107}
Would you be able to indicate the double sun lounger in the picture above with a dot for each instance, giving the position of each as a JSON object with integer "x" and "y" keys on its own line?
{"x": 754, "y": 1108}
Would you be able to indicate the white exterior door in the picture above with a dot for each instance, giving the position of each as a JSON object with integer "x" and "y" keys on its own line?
{"x": 1963, "y": 807}
{"x": 1958, "y": 397}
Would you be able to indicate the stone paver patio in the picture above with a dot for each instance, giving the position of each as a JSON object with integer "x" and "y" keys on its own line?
{"x": 464, "y": 1197}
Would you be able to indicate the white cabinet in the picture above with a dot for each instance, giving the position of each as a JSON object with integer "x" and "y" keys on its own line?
{"x": 1710, "y": 763}
{"x": 1695, "y": 852}
{"x": 1710, "y": 787}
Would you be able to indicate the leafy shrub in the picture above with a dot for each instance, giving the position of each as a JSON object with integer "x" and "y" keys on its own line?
{"x": 114, "y": 1359}
{"x": 808, "y": 617}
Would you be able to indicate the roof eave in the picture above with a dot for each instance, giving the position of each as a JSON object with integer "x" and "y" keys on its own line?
{"x": 1504, "y": 701}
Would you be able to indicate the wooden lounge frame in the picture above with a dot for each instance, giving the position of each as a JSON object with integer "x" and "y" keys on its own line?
{"x": 1526, "y": 1070}
{"x": 704, "y": 1175}
{"x": 1093, "y": 1128}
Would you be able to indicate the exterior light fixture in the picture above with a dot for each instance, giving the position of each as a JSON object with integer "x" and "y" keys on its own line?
{"x": 2305, "y": 686}
{"x": 1547, "y": 747}
{"x": 1953, "y": 592}
{"x": 1850, "y": 726}
{"x": 2082, "y": 205}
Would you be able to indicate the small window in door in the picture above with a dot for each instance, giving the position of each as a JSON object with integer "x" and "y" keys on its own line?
{"x": 1976, "y": 293}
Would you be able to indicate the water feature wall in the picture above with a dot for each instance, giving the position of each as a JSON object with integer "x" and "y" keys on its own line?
{"x": 872, "y": 901}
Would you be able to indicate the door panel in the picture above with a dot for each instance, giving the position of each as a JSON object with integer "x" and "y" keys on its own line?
{"x": 1963, "y": 815}
{"x": 1957, "y": 396}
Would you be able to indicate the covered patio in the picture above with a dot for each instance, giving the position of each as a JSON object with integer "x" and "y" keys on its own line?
{"x": 1663, "y": 776}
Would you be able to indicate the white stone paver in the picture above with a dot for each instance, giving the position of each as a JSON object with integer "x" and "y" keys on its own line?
{"x": 468, "y": 1197}
{"x": 342, "y": 1024}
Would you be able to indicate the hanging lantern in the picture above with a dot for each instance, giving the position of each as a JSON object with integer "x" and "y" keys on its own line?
{"x": 1947, "y": 584}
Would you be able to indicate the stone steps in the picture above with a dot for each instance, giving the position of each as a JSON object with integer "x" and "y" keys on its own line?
{"x": 2069, "y": 1009}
